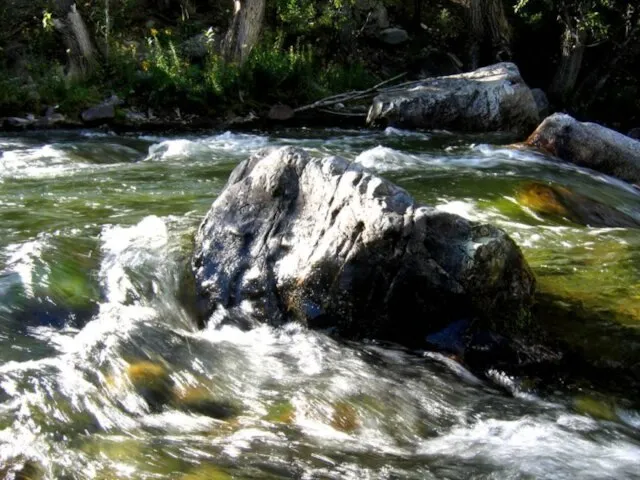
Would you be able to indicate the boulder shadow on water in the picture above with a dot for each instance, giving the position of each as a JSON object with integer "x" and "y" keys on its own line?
{"x": 597, "y": 349}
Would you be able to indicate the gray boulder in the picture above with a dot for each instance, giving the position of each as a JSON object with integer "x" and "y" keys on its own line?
{"x": 493, "y": 98}
{"x": 19, "y": 123}
{"x": 51, "y": 120}
{"x": 544, "y": 107}
{"x": 372, "y": 13}
{"x": 589, "y": 145}
{"x": 328, "y": 244}
{"x": 634, "y": 133}
{"x": 99, "y": 113}
{"x": 393, "y": 36}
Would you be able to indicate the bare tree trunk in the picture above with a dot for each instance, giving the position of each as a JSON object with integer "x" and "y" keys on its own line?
{"x": 566, "y": 76}
{"x": 244, "y": 31}
{"x": 76, "y": 39}
{"x": 417, "y": 14}
{"x": 499, "y": 28}
{"x": 477, "y": 32}
{"x": 489, "y": 15}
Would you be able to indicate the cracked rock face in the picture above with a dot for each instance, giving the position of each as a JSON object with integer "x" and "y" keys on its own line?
{"x": 326, "y": 243}
{"x": 490, "y": 99}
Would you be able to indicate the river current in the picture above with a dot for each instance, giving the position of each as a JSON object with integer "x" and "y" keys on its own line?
{"x": 96, "y": 233}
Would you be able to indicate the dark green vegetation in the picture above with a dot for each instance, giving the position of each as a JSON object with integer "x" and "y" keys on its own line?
{"x": 198, "y": 57}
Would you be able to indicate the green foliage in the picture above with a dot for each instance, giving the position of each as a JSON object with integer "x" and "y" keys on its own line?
{"x": 299, "y": 16}
{"x": 47, "y": 21}
{"x": 46, "y": 86}
{"x": 587, "y": 16}
{"x": 292, "y": 75}
{"x": 279, "y": 72}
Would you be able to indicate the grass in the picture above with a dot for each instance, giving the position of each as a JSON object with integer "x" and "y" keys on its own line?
{"x": 155, "y": 75}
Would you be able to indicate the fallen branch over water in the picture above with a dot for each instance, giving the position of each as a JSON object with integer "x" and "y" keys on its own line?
{"x": 350, "y": 96}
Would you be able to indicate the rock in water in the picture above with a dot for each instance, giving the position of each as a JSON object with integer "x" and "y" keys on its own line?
{"x": 326, "y": 243}
{"x": 100, "y": 113}
{"x": 589, "y": 145}
{"x": 493, "y": 98}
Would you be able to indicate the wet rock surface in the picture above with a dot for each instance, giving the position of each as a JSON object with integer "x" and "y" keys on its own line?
{"x": 493, "y": 98}
{"x": 326, "y": 243}
{"x": 589, "y": 145}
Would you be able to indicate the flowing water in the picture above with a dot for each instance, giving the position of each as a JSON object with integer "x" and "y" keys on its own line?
{"x": 104, "y": 373}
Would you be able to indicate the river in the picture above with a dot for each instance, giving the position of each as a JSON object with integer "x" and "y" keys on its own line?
{"x": 96, "y": 232}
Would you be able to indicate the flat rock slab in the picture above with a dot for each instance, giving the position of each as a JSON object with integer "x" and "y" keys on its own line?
{"x": 326, "y": 243}
{"x": 489, "y": 99}
{"x": 589, "y": 145}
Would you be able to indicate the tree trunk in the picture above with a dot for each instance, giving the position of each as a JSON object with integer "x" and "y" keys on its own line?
{"x": 477, "y": 32}
{"x": 76, "y": 39}
{"x": 499, "y": 28}
{"x": 417, "y": 15}
{"x": 489, "y": 15}
{"x": 566, "y": 76}
{"x": 244, "y": 31}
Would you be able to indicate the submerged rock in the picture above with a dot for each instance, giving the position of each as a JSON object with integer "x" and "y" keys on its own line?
{"x": 557, "y": 201}
{"x": 493, "y": 98}
{"x": 589, "y": 145}
{"x": 345, "y": 417}
{"x": 201, "y": 401}
{"x": 326, "y": 243}
{"x": 207, "y": 472}
{"x": 281, "y": 412}
{"x": 599, "y": 409}
{"x": 152, "y": 381}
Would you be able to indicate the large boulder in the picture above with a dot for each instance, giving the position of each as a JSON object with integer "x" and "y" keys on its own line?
{"x": 589, "y": 145}
{"x": 493, "y": 98}
{"x": 326, "y": 243}
{"x": 105, "y": 112}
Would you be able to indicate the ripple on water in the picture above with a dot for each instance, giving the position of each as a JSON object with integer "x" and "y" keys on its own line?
{"x": 234, "y": 144}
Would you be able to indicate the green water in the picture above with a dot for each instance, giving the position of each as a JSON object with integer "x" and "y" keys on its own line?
{"x": 104, "y": 374}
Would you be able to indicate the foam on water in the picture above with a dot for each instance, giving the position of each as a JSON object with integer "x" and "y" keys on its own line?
{"x": 227, "y": 143}
{"x": 536, "y": 446}
{"x": 385, "y": 159}
{"x": 45, "y": 161}
{"x": 129, "y": 248}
